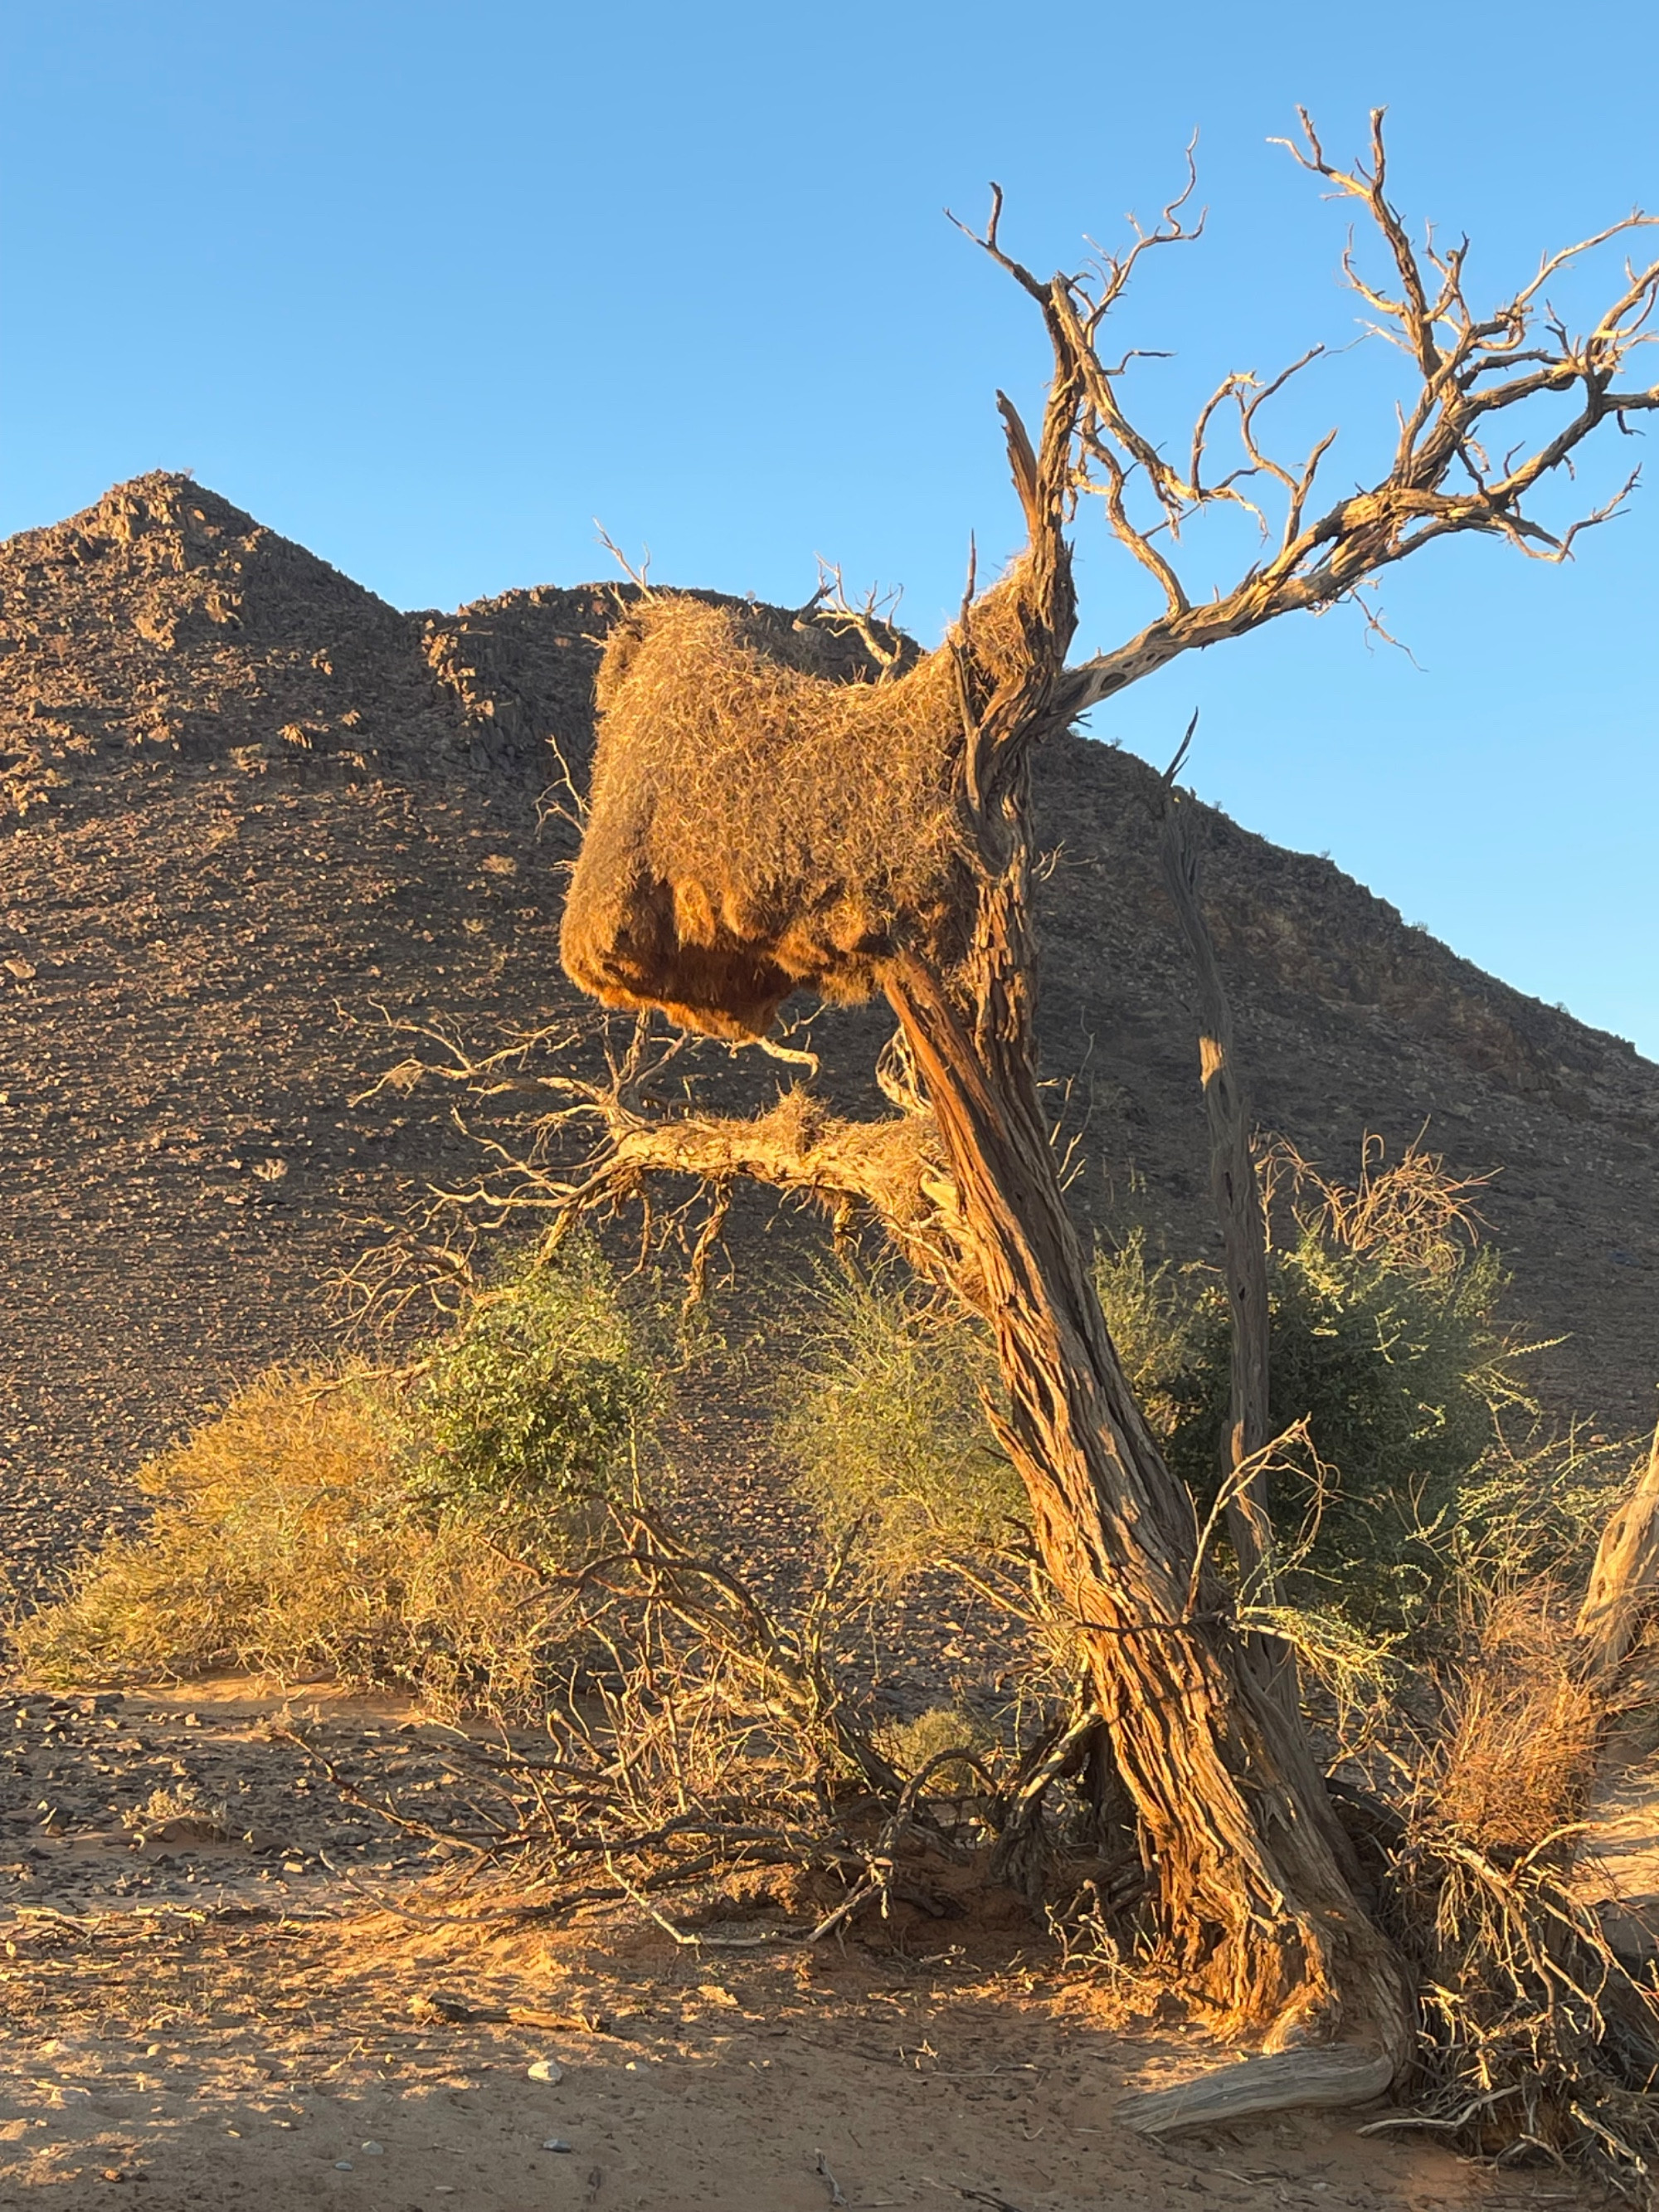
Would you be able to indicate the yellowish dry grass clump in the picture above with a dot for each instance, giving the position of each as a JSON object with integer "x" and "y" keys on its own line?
{"x": 285, "y": 1542}
{"x": 1523, "y": 1727}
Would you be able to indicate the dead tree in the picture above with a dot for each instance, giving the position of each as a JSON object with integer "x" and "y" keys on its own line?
{"x": 756, "y": 826}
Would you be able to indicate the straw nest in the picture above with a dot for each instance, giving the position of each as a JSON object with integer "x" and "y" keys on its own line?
{"x": 771, "y": 809}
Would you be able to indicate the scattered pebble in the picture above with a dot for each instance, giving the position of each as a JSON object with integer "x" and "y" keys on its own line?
{"x": 545, "y": 2070}
{"x": 556, "y": 2142}
{"x": 372, "y": 2149}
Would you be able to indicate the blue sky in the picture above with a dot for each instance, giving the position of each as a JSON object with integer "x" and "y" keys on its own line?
{"x": 430, "y": 287}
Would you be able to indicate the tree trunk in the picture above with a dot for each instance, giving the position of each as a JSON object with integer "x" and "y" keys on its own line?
{"x": 1238, "y": 1212}
{"x": 1624, "y": 1583}
{"x": 1258, "y": 1914}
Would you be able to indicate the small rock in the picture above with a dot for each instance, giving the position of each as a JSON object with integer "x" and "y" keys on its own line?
{"x": 546, "y": 2070}
{"x": 556, "y": 2142}
{"x": 342, "y": 2166}
{"x": 372, "y": 2149}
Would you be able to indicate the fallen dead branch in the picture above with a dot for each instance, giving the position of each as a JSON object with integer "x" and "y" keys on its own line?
{"x": 701, "y": 1755}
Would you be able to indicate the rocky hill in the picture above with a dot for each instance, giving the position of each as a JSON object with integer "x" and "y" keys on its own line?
{"x": 249, "y": 809}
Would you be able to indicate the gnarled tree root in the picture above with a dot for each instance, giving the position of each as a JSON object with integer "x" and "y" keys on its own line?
{"x": 1341, "y": 2073}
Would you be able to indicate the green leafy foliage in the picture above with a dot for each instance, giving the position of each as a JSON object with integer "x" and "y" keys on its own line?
{"x": 1385, "y": 1342}
{"x": 882, "y": 1424}
{"x": 1398, "y": 1372}
{"x": 540, "y": 1397}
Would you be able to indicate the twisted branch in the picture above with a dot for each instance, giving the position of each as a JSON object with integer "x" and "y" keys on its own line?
{"x": 1473, "y": 369}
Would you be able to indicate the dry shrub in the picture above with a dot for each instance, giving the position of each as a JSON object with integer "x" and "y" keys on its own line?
{"x": 939, "y": 1745}
{"x": 1522, "y": 1731}
{"x": 184, "y": 1813}
{"x": 1411, "y": 1212}
{"x": 708, "y": 1759}
{"x": 1535, "y": 2037}
{"x": 285, "y": 1542}
{"x": 771, "y": 802}
{"x": 703, "y": 1739}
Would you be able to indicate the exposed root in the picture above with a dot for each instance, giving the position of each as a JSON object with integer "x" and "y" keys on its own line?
{"x": 1535, "y": 2038}
{"x": 1335, "y": 2076}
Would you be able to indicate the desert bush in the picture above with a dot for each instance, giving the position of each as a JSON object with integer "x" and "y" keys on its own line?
{"x": 1386, "y": 1345}
{"x": 882, "y": 1424}
{"x": 1536, "y": 1504}
{"x": 1534, "y": 2033}
{"x": 1515, "y": 1758}
{"x": 536, "y": 1405}
{"x": 1386, "y": 1340}
{"x": 1397, "y": 1373}
{"x": 285, "y": 1542}
{"x": 915, "y": 1745}
{"x": 373, "y": 1528}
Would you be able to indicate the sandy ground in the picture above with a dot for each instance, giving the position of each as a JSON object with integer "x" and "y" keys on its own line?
{"x": 237, "y": 2019}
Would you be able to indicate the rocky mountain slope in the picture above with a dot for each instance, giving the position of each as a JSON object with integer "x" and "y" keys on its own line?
{"x": 247, "y": 810}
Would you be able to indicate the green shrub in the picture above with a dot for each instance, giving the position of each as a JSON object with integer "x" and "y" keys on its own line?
{"x": 537, "y": 1402}
{"x": 1398, "y": 1373}
{"x": 1534, "y": 1508}
{"x": 882, "y": 1423}
{"x": 1149, "y": 1310}
{"x": 1385, "y": 1339}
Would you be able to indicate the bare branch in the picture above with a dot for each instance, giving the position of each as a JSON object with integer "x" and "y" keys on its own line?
{"x": 640, "y": 577}
{"x": 1470, "y": 367}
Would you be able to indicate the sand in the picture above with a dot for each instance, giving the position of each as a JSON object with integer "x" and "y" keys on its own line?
{"x": 218, "y": 2022}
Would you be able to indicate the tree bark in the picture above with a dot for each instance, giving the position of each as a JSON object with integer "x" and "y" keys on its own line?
{"x": 1624, "y": 1583}
{"x": 1258, "y": 1913}
{"x": 1239, "y": 1214}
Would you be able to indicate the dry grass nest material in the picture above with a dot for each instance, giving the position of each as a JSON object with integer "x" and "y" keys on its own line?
{"x": 770, "y": 807}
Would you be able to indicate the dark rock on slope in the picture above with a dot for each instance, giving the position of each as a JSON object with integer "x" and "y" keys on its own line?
{"x": 248, "y": 810}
